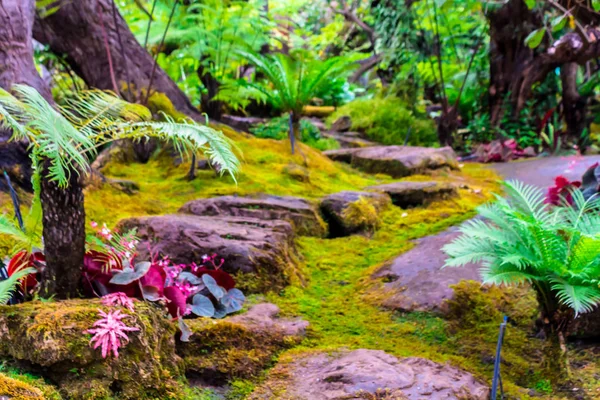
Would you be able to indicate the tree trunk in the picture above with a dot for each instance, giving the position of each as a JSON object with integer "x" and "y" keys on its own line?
{"x": 212, "y": 108}
{"x": 64, "y": 237}
{"x": 16, "y": 66}
{"x": 76, "y": 30}
{"x": 63, "y": 215}
{"x": 447, "y": 125}
{"x": 574, "y": 105}
{"x": 509, "y": 55}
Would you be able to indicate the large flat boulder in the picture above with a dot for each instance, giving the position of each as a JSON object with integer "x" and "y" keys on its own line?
{"x": 261, "y": 252}
{"x": 241, "y": 346}
{"x": 302, "y": 214}
{"x": 367, "y": 374}
{"x": 351, "y": 212}
{"x": 413, "y": 194}
{"x": 416, "y": 281}
{"x": 397, "y": 161}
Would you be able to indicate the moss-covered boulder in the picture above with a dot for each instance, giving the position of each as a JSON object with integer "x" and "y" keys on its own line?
{"x": 367, "y": 374}
{"x": 48, "y": 339}
{"x": 303, "y": 215}
{"x": 261, "y": 253}
{"x": 413, "y": 194}
{"x": 352, "y": 212}
{"x": 238, "y": 347}
{"x": 13, "y": 389}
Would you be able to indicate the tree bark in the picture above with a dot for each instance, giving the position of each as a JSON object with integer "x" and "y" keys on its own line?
{"x": 510, "y": 57}
{"x": 64, "y": 237}
{"x": 574, "y": 105}
{"x": 63, "y": 213}
{"x": 76, "y": 30}
{"x": 16, "y": 66}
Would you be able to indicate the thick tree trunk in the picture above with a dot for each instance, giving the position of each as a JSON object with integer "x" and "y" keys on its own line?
{"x": 16, "y": 66}
{"x": 510, "y": 57}
{"x": 574, "y": 105}
{"x": 64, "y": 237}
{"x": 83, "y": 29}
{"x": 63, "y": 215}
{"x": 447, "y": 125}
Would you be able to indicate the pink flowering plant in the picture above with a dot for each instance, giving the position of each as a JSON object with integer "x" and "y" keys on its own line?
{"x": 110, "y": 332}
{"x": 561, "y": 194}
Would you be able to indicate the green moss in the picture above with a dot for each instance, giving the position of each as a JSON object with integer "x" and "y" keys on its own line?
{"x": 23, "y": 387}
{"x": 223, "y": 350}
{"x": 387, "y": 120}
{"x": 361, "y": 215}
{"x": 164, "y": 188}
{"x": 51, "y": 335}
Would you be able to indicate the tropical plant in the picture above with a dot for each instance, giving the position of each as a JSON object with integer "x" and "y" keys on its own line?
{"x": 64, "y": 138}
{"x": 555, "y": 249}
{"x": 110, "y": 332}
{"x": 9, "y": 285}
{"x": 277, "y": 128}
{"x": 293, "y": 81}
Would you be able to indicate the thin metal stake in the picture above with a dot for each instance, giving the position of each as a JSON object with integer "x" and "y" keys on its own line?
{"x": 496, "y": 377}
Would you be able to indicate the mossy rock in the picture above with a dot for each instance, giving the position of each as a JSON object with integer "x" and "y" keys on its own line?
{"x": 238, "y": 347}
{"x": 260, "y": 253}
{"x": 412, "y": 194}
{"x": 352, "y": 212}
{"x": 14, "y": 389}
{"x": 48, "y": 339}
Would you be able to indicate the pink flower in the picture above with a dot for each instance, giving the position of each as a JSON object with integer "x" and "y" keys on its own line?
{"x": 118, "y": 299}
{"x": 109, "y": 331}
{"x": 94, "y": 224}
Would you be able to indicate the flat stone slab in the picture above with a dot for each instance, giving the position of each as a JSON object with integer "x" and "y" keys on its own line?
{"x": 264, "y": 249}
{"x": 416, "y": 281}
{"x": 412, "y": 194}
{"x": 241, "y": 346}
{"x": 349, "y": 141}
{"x": 396, "y": 161}
{"x": 341, "y": 223}
{"x": 366, "y": 374}
{"x": 303, "y": 215}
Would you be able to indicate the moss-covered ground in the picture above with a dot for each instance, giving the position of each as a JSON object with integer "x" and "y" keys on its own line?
{"x": 339, "y": 299}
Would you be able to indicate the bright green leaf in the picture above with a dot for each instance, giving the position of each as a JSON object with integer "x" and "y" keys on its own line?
{"x": 534, "y": 39}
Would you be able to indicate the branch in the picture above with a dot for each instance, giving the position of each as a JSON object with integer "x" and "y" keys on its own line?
{"x": 350, "y": 16}
{"x": 365, "y": 65}
{"x": 143, "y": 8}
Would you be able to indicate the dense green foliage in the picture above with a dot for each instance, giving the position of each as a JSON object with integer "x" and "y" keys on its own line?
{"x": 388, "y": 120}
{"x": 278, "y": 129}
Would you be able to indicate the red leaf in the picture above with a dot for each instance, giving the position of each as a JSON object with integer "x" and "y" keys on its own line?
{"x": 223, "y": 279}
{"x": 155, "y": 277}
{"x": 23, "y": 260}
{"x": 177, "y": 304}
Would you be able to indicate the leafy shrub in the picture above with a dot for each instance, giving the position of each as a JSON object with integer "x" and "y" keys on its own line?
{"x": 278, "y": 128}
{"x": 387, "y": 120}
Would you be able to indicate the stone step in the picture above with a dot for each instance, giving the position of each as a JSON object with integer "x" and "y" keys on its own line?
{"x": 413, "y": 194}
{"x": 396, "y": 161}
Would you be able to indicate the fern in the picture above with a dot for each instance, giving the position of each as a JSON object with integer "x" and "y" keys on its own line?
{"x": 523, "y": 240}
{"x": 8, "y": 286}
{"x": 68, "y": 136}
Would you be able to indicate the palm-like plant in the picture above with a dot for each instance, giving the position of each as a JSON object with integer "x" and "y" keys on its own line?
{"x": 62, "y": 141}
{"x": 294, "y": 81}
{"x": 555, "y": 249}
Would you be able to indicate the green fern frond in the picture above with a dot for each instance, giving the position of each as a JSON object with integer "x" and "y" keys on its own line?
{"x": 581, "y": 299}
{"x": 8, "y": 286}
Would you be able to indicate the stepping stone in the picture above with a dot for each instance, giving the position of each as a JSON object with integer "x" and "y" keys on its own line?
{"x": 342, "y": 124}
{"x": 349, "y": 141}
{"x": 241, "y": 346}
{"x": 343, "y": 223}
{"x": 367, "y": 374}
{"x": 262, "y": 250}
{"x": 303, "y": 215}
{"x": 396, "y": 161}
{"x": 416, "y": 281}
{"x": 412, "y": 194}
